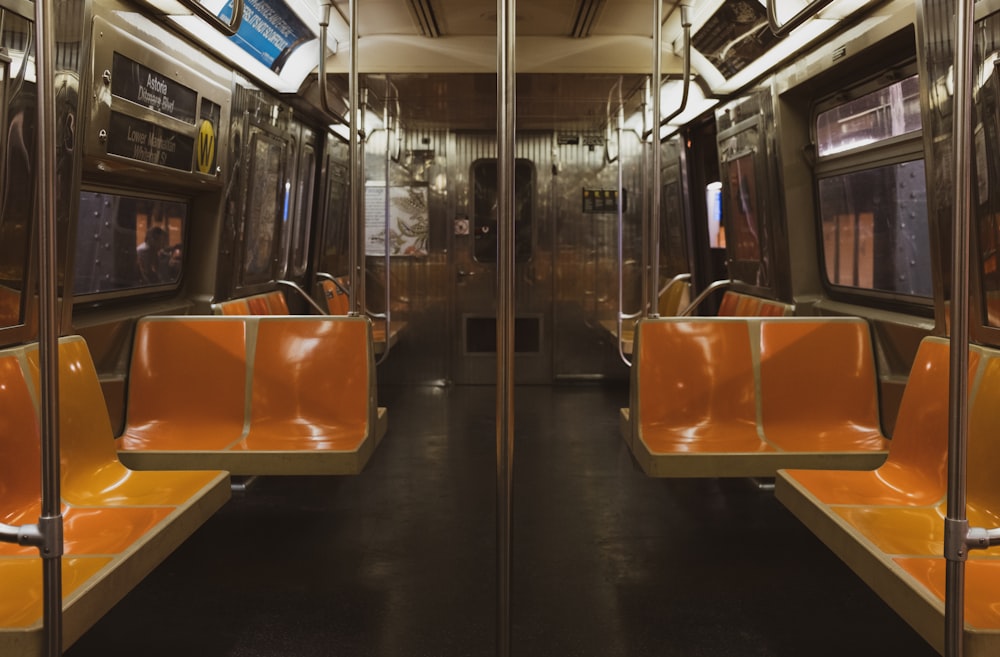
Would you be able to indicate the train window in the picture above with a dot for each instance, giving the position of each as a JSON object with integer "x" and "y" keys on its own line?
{"x": 875, "y": 229}
{"x": 484, "y": 177}
{"x": 673, "y": 243}
{"x": 16, "y": 206}
{"x": 871, "y": 191}
{"x": 335, "y": 236}
{"x": 266, "y": 205}
{"x": 303, "y": 211}
{"x": 888, "y": 112}
{"x": 128, "y": 243}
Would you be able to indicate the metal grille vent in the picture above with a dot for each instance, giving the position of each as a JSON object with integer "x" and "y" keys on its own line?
{"x": 427, "y": 21}
{"x": 586, "y": 17}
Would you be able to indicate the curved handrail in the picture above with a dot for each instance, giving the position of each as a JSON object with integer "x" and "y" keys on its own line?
{"x": 230, "y": 28}
{"x": 782, "y": 30}
{"x": 312, "y": 302}
{"x": 673, "y": 281}
{"x": 324, "y": 26}
{"x": 716, "y": 285}
{"x": 686, "y": 24}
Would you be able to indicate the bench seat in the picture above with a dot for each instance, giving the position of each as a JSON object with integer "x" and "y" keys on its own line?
{"x": 263, "y": 395}
{"x": 888, "y": 524}
{"x": 337, "y": 303}
{"x": 743, "y": 397}
{"x": 118, "y": 524}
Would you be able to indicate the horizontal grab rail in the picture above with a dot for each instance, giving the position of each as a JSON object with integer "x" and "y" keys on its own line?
{"x": 312, "y": 302}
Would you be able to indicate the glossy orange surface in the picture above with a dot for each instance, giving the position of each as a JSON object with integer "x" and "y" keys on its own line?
{"x": 310, "y": 385}
{"x": 337, "y": 303}
{"x": 818, "y": 386}
{"x": 92, "y": 475}
{"x": 187, "y": 385}
{"x": 696, "y": 387}
{"x": 234, "y": 307}
{"x": 915, "y": 472}
{"x": 983, "y": 460}
{"x": 276, "y": 303}
{"x": 903, "y": 530}
{"x": 21, "y": 586}
{"x": 20, "y": 485}
{"x": 982, "y": 584}
{"x": 727, "y": 307}
{"x": 772, "y": 309}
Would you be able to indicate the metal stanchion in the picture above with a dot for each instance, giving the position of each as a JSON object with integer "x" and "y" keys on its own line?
{"x": 506, "y": 93}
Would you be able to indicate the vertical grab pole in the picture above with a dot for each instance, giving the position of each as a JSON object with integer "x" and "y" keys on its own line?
{"x": 653, "y": 286}
{"x": 956, "y": 523}
{"x": 50, "y": 523}
{"x": 355, "y": 232}
{"x": 387, "y": 208}
{"x": 506, "y": 94}
{"x": 621, "y": 225}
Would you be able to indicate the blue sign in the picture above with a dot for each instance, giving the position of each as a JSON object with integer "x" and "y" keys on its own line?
{"x": 268, "y": 32}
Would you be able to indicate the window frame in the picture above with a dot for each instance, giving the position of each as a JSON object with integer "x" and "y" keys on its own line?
{"x": 895, "y": 150}
{"x": 142, "y": 291}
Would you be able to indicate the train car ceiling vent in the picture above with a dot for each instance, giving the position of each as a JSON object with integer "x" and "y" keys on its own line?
{"x": 423, "y": 14}
{"x": 586, "y": 17}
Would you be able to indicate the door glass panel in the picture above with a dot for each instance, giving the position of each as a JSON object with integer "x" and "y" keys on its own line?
{"x": 484, "y": 177}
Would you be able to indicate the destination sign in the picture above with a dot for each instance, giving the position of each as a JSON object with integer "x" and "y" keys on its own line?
{"x": 147, "y": 142}
{"x": 596, "y": 201}
{"x": 144, "y": 86}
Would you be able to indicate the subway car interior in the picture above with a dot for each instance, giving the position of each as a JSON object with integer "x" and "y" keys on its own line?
{"x": 452, "y": 328}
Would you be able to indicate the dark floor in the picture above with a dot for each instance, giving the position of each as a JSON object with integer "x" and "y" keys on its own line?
{"x": 399, "y": 562}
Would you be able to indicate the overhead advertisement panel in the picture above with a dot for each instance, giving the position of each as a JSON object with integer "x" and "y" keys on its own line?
{"x": 269, "y": 31}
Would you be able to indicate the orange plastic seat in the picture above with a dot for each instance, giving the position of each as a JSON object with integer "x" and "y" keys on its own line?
{"x": 265, "y": 395}
{"x": 187, "y": 386}
{"x": 297, "y": 405}
{"x": 915, "y": 471}
{"x": 696, "y": 388}
{"x": 743, "y": 397}
{"x": 337, "y": 301}
{"x": 889, "y": 527}
{"x": 232, "y": 307}
{"x": 117, "y": 524}
{"x": 728, "y": 305}
{"x": 839, "y": 415}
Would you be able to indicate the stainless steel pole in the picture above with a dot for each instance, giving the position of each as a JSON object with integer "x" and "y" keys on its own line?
{"x": 653, "y": 285}
{"x": 506, "y": 94}
{"x": 50, "y": 522}
{"x": 355, "y": 231}
{"x": 956, "y": 523}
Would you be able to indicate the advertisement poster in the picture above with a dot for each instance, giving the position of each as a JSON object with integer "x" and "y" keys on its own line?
{"x": 409, "y": 228}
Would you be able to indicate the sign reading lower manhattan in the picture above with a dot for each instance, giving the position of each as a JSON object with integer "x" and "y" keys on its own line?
{"x": 144, "y": 86}
{"x": 147, "y": 142}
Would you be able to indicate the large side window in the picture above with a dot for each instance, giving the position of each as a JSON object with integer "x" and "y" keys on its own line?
{"x": 128, "y": 244}
{"x": 871, "y": 191}
{"x": 265, "y": 209}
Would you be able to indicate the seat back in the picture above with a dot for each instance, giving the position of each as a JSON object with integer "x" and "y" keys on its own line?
{"x": 692, "y": 372}
{"x": 920, "y": 438}
{"x": 818, "y": 382}
{"x": 189, "y": 369}
{"x": 20, "y": 478}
